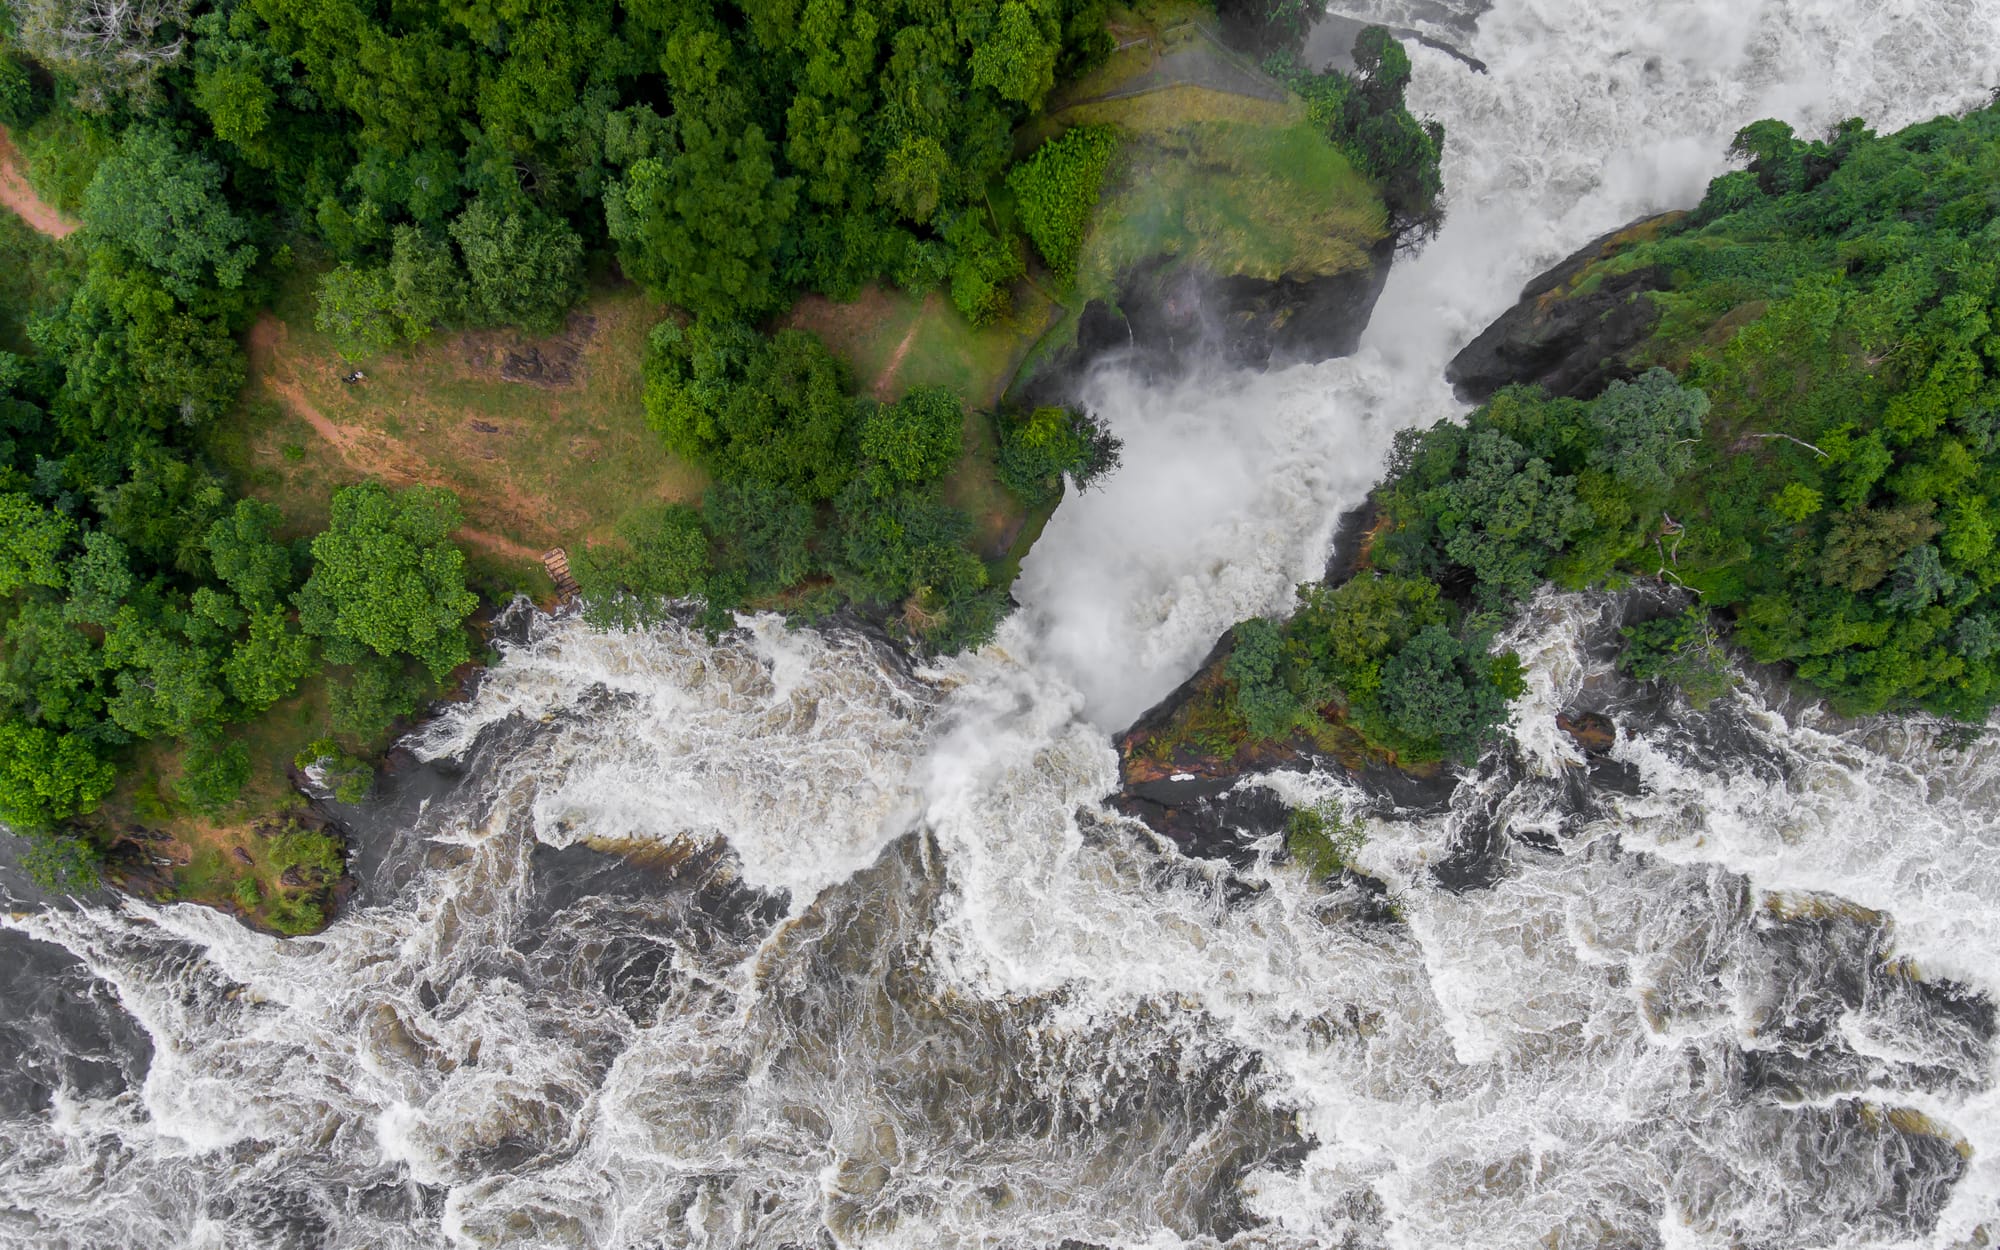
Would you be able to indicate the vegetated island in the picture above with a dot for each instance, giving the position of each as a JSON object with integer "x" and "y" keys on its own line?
{"x": 1783, "y": 406}
{"x": 365, "y": 312}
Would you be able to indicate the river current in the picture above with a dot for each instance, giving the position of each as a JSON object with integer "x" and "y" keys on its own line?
{"x": 876, "y": 966}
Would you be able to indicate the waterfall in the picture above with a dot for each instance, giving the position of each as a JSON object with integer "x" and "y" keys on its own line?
{"x": 780, "y": 942}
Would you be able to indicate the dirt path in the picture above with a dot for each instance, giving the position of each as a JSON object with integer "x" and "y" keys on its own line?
{"x": 369, "y": 453}
{"x": 887, "y": 378}
{"x": 17, "y": 195}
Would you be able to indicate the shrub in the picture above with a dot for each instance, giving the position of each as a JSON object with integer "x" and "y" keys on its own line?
{"x": 1056, "y": 189}
{"x": 983, "y": 269}
{"x": 917, "y": 439}
{"x": 355, "y": 311}
{"x": 295, "y": 914}
{"x": 1323, "y": 838}
{"x": 663, "y": 557}
{"x": 1682, "y": 650}
{"x": 311, "y": 851}
{"x": 62, "y": 864}
{"x": 213, "y": 773}
{"x": 349, "y": 777}
{"x": 762, "y": 532}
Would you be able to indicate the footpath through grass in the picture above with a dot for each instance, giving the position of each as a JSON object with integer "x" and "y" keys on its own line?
{"x": 543, "y": 439}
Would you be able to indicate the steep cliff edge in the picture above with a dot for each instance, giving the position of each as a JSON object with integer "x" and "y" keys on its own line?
{"x": 1574, "y": 327}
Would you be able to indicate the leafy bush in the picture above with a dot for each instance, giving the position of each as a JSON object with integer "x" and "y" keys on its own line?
{"x": 915, "y": 440}
{"x": 1056, "y": 190}
{"x": 47, "y": 777}
{"x": 246, "y": 893}
{"x": 355, "y": 310}
{"x": 762, "y": 532}
{"x": 522, "y": 268}
{"x": 1323, "y": 838}
{"x": 62, "y": 864}
{"x": 1683, "y": 650}
{"x": 776, "y": 411}
{"x": 213, "y": 773}
{"x": 376, "y": 692}
{"x": 295, "y": 914}
{"x": 313, "y": 852}
{"x": 349, "y": 777}
{"x": 387, "y": 577}
{"x": 983, "y": 268}
{"x": 662, "y": 556}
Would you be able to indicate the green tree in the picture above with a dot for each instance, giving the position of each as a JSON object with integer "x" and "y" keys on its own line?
{"x": 165, "y": 206}
{"x": 1682, "y": 650}
{"x": 61, "y": 864}
{"x": 1017, "y": 57}
{"x": 47, "y": 777}
{"x": 248, "y": 558}
{"x": 386, "y": 576}
{"x": 1056, "y": 191}
{"x": 522, "y": 268}
{"x": 1039, "y": 449}
{"x": 1257, "y": 665}
{"x": 775, "y": 410}
{"x": 31, "y": 540}
{"x": 268, "y": 663}
{"x": 356, "y": 310}
{"x": 762, "y": 531}
{"x": 663, "y": 556}
{"x": 916, "y": 439}
{"x": 213, "y": 773}
{"x": 702, "y": 229}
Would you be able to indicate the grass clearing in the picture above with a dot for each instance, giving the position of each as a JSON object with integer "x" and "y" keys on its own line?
{"x": 893, "y": 341}
{"x": 543, "y": 439}
{"x": 1234, "y": 198}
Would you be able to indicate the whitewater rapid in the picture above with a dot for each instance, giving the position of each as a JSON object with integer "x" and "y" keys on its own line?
{"x": 890, "y": 974}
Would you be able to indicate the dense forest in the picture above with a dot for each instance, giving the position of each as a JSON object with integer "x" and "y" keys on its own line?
{"x": 1806, "y": 445}
{"x": 433, "y": 167}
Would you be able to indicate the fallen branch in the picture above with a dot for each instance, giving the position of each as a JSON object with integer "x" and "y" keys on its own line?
{"x": 1801, "y": 442}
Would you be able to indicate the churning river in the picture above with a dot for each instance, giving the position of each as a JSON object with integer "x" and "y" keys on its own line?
{"x": 890, "y": 974}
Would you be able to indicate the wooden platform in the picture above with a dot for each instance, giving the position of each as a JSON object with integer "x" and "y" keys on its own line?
{"x": 556, "y": 561}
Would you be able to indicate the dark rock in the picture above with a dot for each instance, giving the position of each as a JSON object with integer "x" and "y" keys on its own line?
{"x": 1569, "y": 344}
{"x": 1208, "y": 818}
{"x": 1477, "y": 857}
{"x": 242, "y": 856}
{"x": 1350, "y": 541}
{"x": 292, "y": 877}
{"x": 1592, "y": 731}
{"x": 485, "y": 427}
{"x": 1170, "y": 319}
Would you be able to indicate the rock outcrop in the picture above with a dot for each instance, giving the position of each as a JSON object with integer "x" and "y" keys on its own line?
{"x": 1571, "y": 332}
{"x": 1170, "y": 318}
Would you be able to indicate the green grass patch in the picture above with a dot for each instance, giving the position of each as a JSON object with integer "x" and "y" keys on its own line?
{"x": 1233, "y": 198}
{"x": 535, "y": 464}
